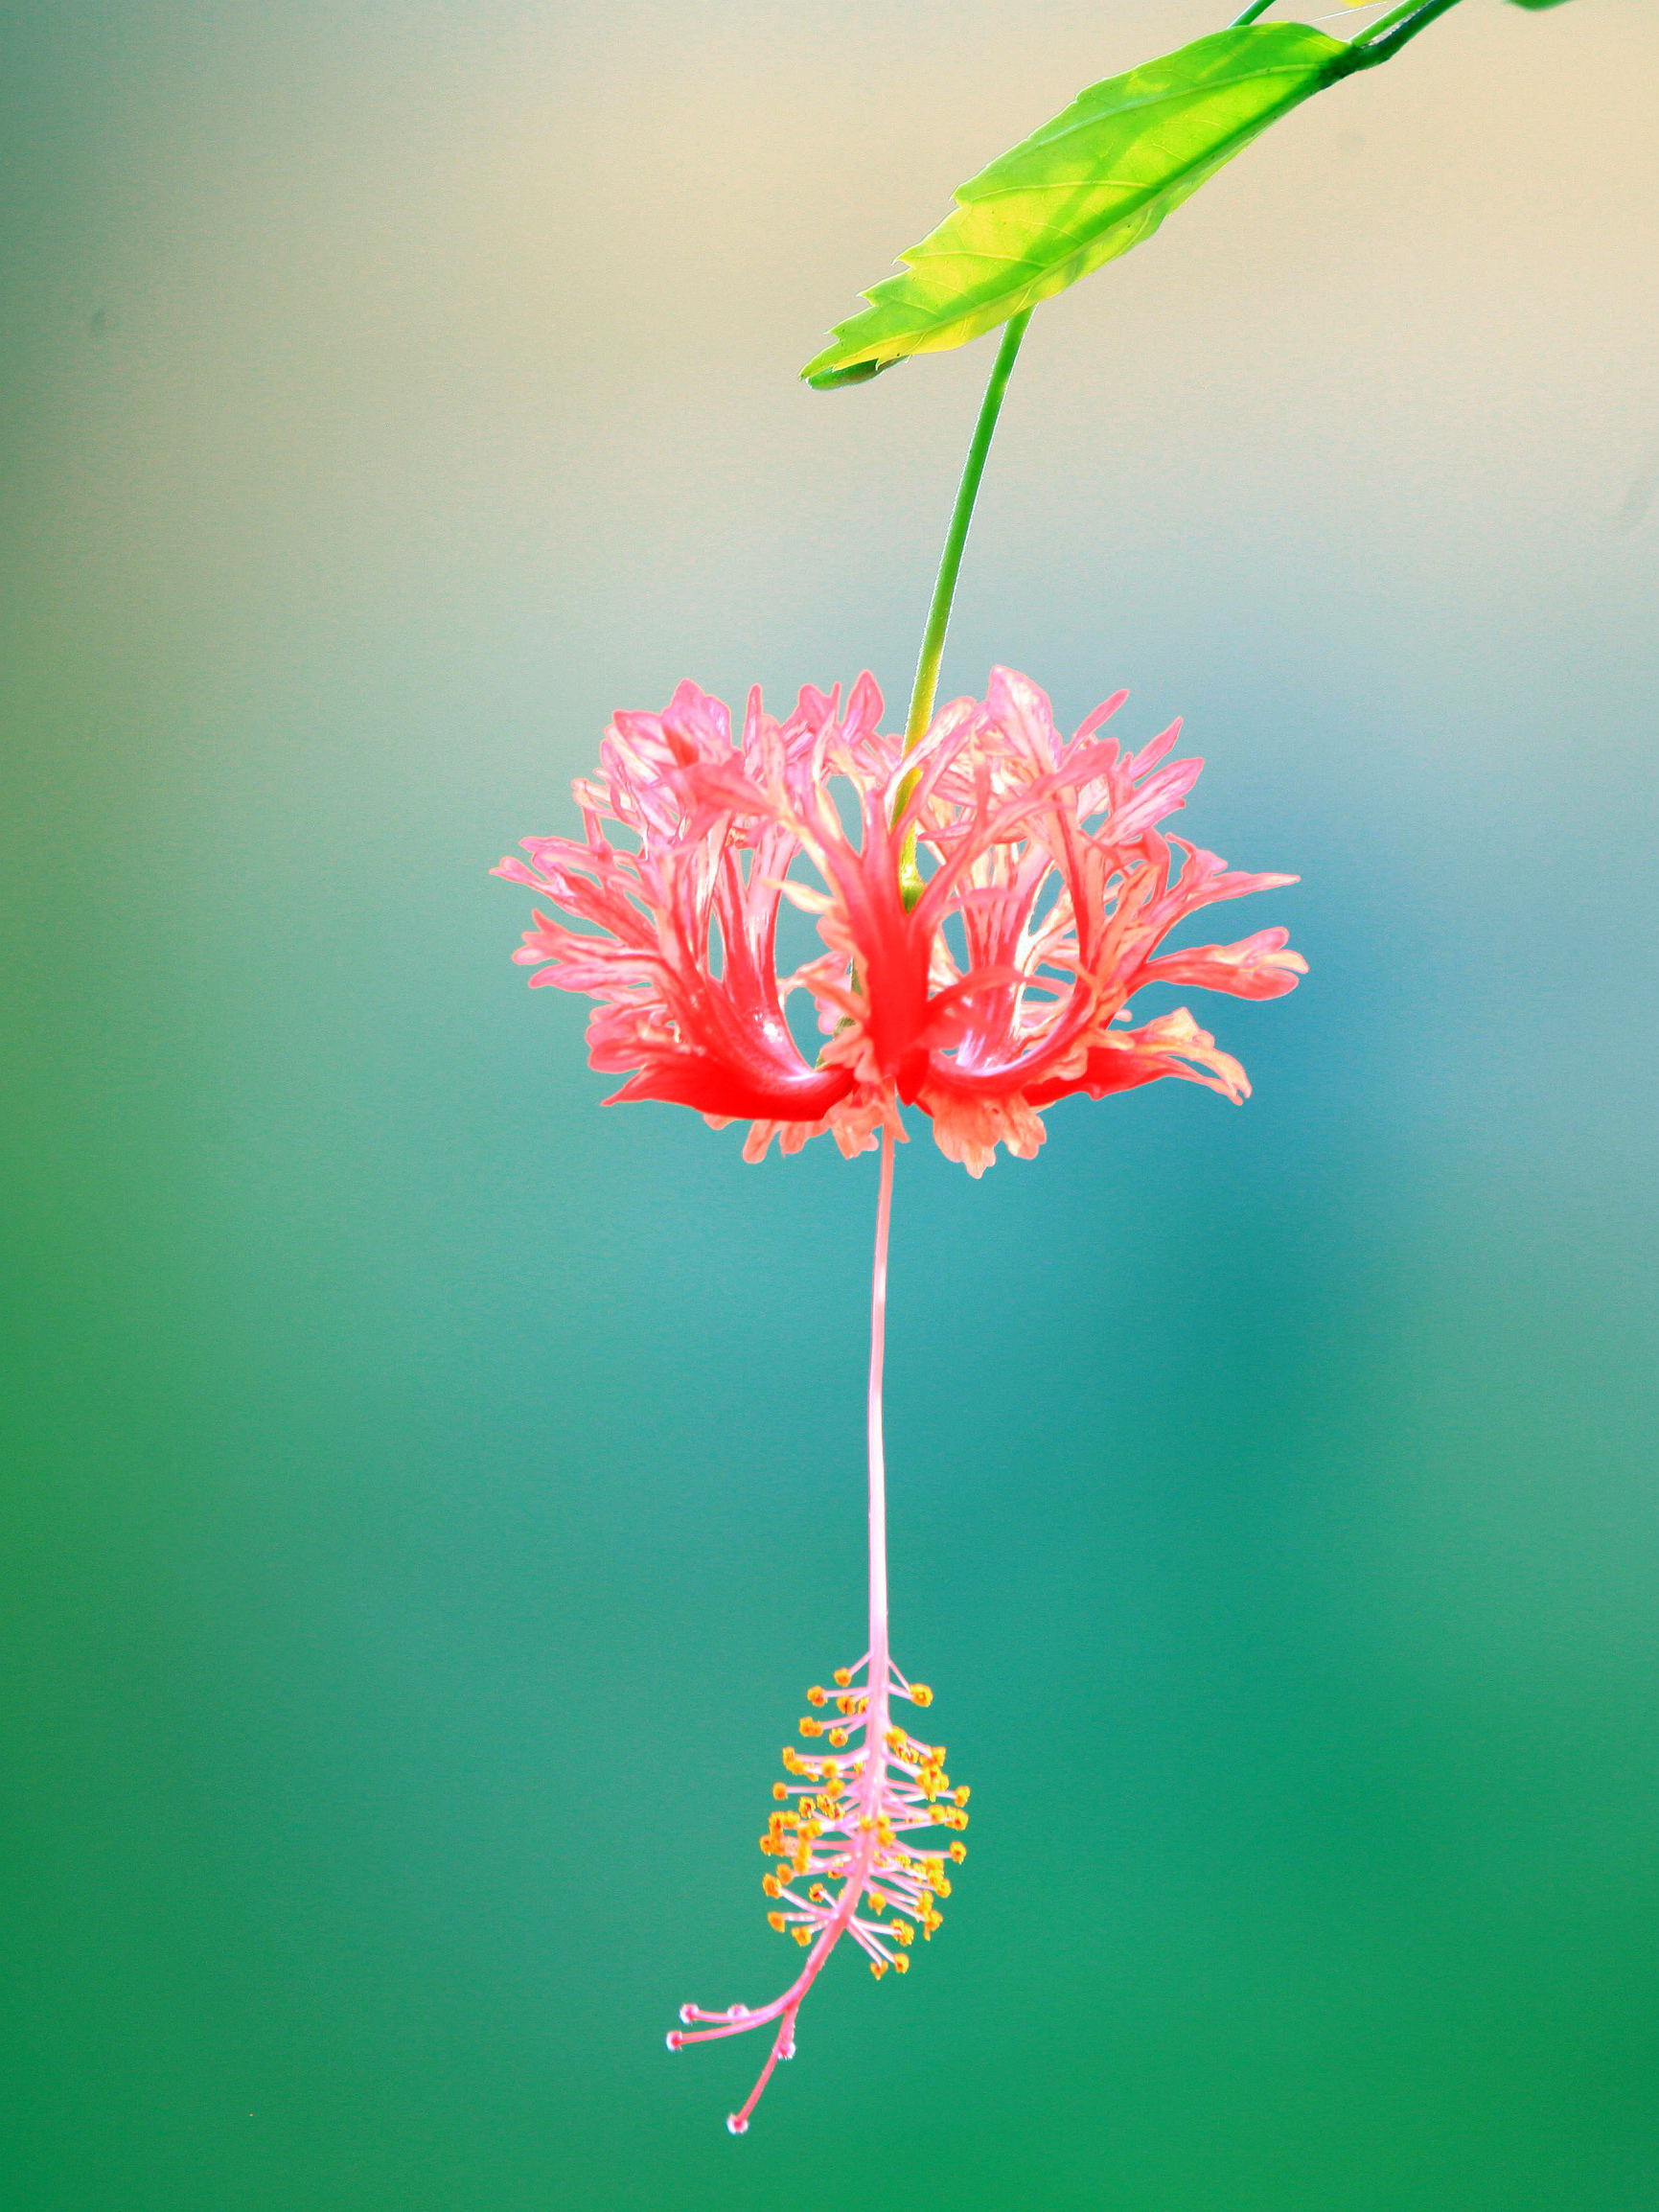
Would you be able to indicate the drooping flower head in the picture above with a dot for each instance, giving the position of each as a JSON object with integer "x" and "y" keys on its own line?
{"x": 989, "y": 905}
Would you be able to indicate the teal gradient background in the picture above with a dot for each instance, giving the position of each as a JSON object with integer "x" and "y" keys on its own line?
{"x": 428, "y": 1493}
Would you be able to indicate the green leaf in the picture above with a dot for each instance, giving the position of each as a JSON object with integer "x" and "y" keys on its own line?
{"x": 1082, "y": 189}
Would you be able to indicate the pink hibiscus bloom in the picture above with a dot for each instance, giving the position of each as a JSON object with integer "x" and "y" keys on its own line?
{"x": 986, "y": 907}
{"x": 1001, "y": 895}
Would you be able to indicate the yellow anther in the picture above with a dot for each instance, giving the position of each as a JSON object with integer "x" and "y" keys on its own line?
{"x": 878, "y": 1968}
{"x": 802, "y": 1860}
{"x": 842, "y": 1676}
{"x": 791, "y": 1758}
{"x": 775, "y": 1920}
{"x": 920, "y": 1693}
{"x": 780, "y": 1790}
{"x": 866, "y": 1825}
{"x": 837, "y": 1736}
{"x": 803, "y": 1936}
{"x": 958, "y": 1852}
{"x": 962, "y": 1794}
{"x": 811, "y": 1727}
{"x": 772, "y": 1885}
{"x": 769, "y": 1844}
{"x": 847, "y": 1707}
{"x": 902, "y": 1929}
{"x": 817, "y": 1697}
{"x": 902, "y": 1965}
{"x": 941, "y": 1885}
{"x": 925, "y": 1902}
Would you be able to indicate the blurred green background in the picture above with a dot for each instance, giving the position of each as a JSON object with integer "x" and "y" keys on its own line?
{"x": 428, "y": 1494}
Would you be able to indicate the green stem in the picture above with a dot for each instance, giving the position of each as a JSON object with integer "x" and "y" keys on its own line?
{"x": 1398, "y": 28}
{"x": 1373, "y": 44}
{"x": 927, "y": 683}
{"x": 924, "y": 689}
{"x": 1383, "y": 22}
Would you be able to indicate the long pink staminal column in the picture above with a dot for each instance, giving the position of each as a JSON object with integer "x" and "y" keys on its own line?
{"x": 878, "y": 1457}
{"x": 895, "y": 1784}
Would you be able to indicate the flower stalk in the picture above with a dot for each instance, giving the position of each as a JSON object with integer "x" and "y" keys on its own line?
{"x": 924, "y": 689}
